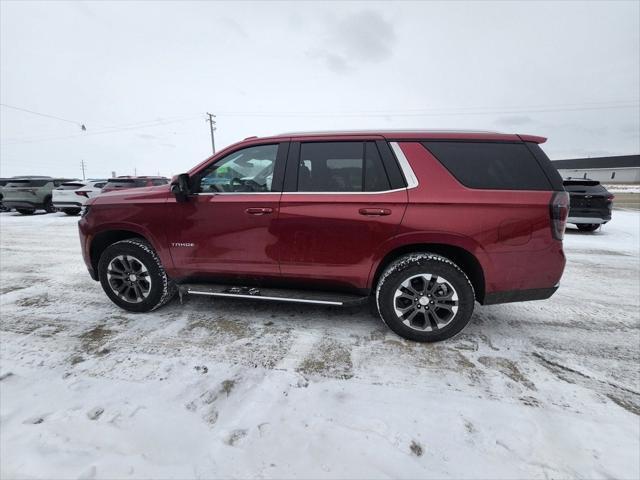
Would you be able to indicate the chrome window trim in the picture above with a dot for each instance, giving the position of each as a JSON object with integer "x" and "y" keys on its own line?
{"x": 345, "y": 193}
{"x": 237, "y": 193}
{"x": 409, "y": 175}
{"x": 302, "y": 193}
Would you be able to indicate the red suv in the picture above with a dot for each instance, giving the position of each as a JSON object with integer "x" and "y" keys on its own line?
{"x": 422, "y": 223}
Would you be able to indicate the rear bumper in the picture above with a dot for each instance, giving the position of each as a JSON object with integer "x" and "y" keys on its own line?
{"x": 519, "y": 295}
{"x": 589, "y": 215}
{"x": 578, "y": 220}
{"x": 67, "y": 204}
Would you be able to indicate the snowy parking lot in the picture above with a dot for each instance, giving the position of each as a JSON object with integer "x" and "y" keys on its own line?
{"x": 215, "y": 388}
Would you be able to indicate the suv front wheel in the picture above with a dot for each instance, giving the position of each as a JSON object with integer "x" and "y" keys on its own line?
{"x": 133, "y": 277}
{"x": 425, "y": 297}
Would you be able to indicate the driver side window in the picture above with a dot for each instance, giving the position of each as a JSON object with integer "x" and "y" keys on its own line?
{"x": 247, "y": 170}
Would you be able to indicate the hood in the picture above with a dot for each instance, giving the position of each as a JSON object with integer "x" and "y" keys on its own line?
{"x": 130, "y": 195}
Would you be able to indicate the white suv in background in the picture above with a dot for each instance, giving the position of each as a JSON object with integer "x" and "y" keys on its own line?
{"x": 71, "y": 196}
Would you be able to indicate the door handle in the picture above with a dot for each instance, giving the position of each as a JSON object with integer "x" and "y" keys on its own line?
{"x": 259, "y": 210}
{"x": 377, "y": 212}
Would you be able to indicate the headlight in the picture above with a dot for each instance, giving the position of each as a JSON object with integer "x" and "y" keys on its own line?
{"x": 85, "y": 210}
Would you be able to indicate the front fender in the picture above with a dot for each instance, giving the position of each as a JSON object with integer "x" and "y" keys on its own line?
{"x": 158, "y": 244}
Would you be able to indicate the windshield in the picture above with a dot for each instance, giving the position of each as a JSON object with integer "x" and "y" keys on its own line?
{"x": 70, "y": 186}
{"x": 28, "y": 183}
{"x": 126, "y": 183}
{"x": 587, "y": 186}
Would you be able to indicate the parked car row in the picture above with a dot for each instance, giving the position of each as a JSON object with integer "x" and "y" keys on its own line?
{"x": 30, "y": 193}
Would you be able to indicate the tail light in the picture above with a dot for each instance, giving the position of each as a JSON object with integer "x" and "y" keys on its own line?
{"x": 559, "y": 211}
{"x": 82, "y": 193}
{"x": 610, "y": 198}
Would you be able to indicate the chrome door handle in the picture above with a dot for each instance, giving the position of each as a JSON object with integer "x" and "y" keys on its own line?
{"x": 378, "y": 212}
{"x": 259, "y": 211}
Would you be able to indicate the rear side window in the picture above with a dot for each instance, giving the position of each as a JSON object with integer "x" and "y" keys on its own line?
{"x": 552, "y": 172}
{"x": 341, "y": 167}
{"x": 70, "y": 186}
{"x": 495, "y": 166}
{"x": 159, "y": 181}
{"x": 99, "y": 185}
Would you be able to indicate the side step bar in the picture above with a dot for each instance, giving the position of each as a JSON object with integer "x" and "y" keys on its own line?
{"x": 271, "y": 294}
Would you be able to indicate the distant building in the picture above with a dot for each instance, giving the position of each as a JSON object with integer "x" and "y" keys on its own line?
{"x": 620, "y": 169}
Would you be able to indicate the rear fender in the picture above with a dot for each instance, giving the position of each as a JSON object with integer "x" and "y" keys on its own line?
{"x": 421, "y": 240}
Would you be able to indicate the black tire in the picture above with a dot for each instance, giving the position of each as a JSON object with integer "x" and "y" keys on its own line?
{"x": 414, "y": 266}
{"x": 48, "y": 205}
{"x": 71, "y": 211}
{"x": 588, "y": 227}
{"x": 25, "y": 211}
{"x": 162, "y": 288}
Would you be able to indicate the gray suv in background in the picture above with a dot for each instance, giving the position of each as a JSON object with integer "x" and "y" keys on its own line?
{"x": 3, "y": 182}
{"x": 28, "y": 194}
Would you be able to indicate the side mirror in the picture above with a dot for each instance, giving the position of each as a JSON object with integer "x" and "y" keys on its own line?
{"x": 181, "y": 187}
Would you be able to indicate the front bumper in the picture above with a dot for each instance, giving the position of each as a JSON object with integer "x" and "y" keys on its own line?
{"x": 85, "y": 247}
{"x": 22, "y": 204}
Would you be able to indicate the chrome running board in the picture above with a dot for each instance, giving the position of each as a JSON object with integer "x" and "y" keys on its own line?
{"x": 272, "y": 294}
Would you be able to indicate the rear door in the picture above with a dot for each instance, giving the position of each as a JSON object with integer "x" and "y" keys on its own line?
{"x": 341, "y": 200}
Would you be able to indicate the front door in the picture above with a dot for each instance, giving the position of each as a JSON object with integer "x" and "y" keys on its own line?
{"x": 340, "y": 207}
{"x": 226, "y": 228}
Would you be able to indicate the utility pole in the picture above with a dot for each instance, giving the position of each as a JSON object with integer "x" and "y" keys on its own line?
{"x": 82, "y": 164}
{"x": 212, "y": 122}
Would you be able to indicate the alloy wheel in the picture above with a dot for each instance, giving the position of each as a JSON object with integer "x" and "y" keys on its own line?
{"x": 426, "y": 302}
{"x": 129, "y": 278}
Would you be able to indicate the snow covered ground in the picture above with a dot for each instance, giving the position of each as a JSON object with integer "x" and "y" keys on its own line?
{"x": 622, "y": 188}
{"x": 218, "y": 388}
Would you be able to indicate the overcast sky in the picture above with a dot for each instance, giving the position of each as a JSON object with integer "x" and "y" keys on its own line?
{"x": 141, "y": 75}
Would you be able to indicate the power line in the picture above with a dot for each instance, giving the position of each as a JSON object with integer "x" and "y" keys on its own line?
{"x": 434, "y": 112}
{"x": 100, "y": 132}
{"x": 44, "y": 115}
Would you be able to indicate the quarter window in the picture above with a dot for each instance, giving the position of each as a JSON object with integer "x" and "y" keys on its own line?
{"x": 341, "y": 167}
{"x": 498, "y": 166}
{"x": 247, "y": 170}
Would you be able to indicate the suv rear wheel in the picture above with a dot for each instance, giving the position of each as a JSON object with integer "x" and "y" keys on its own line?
{"x": 588, "y": 227}
{"x": 25, "y": 211}
{"x": 133, "y": 277}
{"x": 425, "y": 297}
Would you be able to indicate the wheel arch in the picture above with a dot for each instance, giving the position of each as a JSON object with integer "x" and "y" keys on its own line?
{"x": 108, "y": 237}
{"x": 467, "y": 261}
